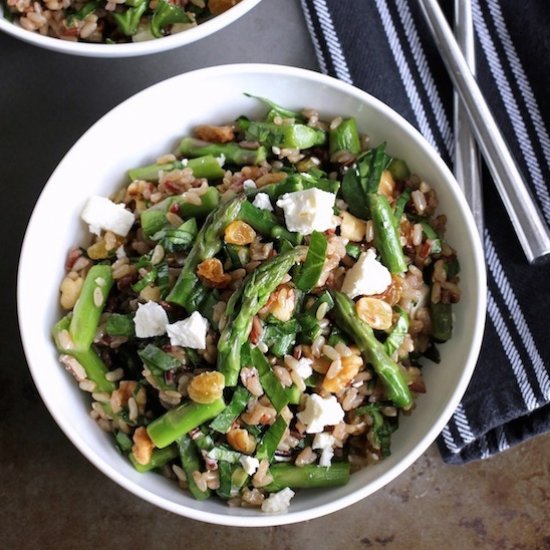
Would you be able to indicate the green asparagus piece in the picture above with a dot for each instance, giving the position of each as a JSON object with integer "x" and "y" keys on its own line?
{"x": 89, "y": 306}
{"x": 271, "y": 439}
{"x": 159, "y": 458}
{"x": 269, "y": 381}
{"x": 442, "y": 321}
{"x": 386, "y": 235}
{"x": 91, "y": 362}
{"x": 345, "y": 137}
{"x": 309, "y": 476}
{"x": 225, "y": 419}
{"x": 292, "y": 136}
{"x": 399, "y": 331}
{"x": 154, "y": 218}
{"x": 253, "y": 295}
{"x": 293, "y": 394}
{"x": 399, "y": 170}
{"x": 190, "y": 463}
{"x": 123, "y": 442}
{"x": 389, "y": 372}
{"x": 266, "y": 223}
{"x": 203, "y": 167}
{"x": 232, "y": 152}
{"x": 179, "y": 421}
{"x": 207, "y": 244}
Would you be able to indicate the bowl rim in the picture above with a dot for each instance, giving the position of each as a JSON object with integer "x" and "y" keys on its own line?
{"x": 131, "y": 49}
{"x": 265, "y": 520}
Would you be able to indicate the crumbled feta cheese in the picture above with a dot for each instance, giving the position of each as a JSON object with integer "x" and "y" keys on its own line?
{"x": 276, "y": 150}
{"x": 120, "y": 252}
{"x": 368, "y": 276}
{"x": 101, "y": 213}
{"x": 261, "y": 201}
{"x": 249, "y": 464}
{"x": 150, "y": 320}
{"x": 184, "y": 162}
{"x": 278, "y": 502}
{"x": 221, "y": 160}
{"x": 249, "y": 184}
{"x": 303, "y": 368}
{"x": 189, "y": 333}
{"x": 320, "y": 412}
{"x": 309, "y": 210}
{"x": 326, "y": 457}
{"x": 325, "y": 442}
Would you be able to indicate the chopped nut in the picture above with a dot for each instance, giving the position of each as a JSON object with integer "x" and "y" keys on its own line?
{"x": 215, "y": 134}
{"x": 142, "y": 449}
{"x": 349, "y": 367}
{"x": 241, "y": 440}
{"x": 386, "y": 186}
{"x": 70, "y": 291}
{"x": 352, "y": 228}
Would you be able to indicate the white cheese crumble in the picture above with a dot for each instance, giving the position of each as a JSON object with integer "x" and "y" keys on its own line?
{"x": 368, "y": 276}
{"x": 249, "y": 184}
{"x": 189, "y": 333}
{"x": 304, "y": 367}
{"x": 261, "y": 201}
{"x": 325, "y": 442}
{"x": 320, "y": 412}
{"x": 150, "y": 320}
{"x": 278, "y": 502}
{"x": 221, "y": 160}
{"x": 309, "y": 210}
{"x": 184, "y": 162}
{"x": 249, "y": 464}
{"x": 120, "y": 252}
{"x": 101, "y": 213}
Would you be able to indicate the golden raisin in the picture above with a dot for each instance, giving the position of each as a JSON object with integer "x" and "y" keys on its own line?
{"x": 241, "y": 441}
{"x": 206, "y": 387}
{"x": 375, "y": 312}
{"x": 98, "y": 251}
{"x": 211, "y": 271}
{"x": 215, "y": 134}
{"x": 386, "y": 185}
{"x": 393, "y": 293}
{"x": 351, "y": 365}
{"x": 238, "y": 232}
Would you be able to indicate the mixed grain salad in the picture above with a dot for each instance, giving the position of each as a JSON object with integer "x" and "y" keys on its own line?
{"x": 251, "y": 312}
{"x": 111, "y": 21}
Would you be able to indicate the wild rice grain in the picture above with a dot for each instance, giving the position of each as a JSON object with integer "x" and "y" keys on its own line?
{"x": 132, "y": 409}
{"x": 321, "y": 311}
{"x": 115, "y": 375}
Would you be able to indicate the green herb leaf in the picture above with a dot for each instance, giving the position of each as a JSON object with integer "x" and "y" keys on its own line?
{"x": 313, "y": 266}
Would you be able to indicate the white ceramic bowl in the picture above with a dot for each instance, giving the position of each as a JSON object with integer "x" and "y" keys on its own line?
{"x": 135, "y": 133}
{"x": 134, "y": 48}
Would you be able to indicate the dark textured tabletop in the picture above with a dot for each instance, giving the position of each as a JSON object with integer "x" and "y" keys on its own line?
{"x": 52, "y": 497}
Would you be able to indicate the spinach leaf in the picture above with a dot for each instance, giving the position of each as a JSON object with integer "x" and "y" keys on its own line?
{"x": 313, "y": 266}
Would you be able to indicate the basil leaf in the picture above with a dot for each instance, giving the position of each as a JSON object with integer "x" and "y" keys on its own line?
{"x": 315, "y": 260}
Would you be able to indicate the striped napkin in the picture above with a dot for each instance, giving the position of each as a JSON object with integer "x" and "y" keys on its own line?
{"x": 385, "y": 48}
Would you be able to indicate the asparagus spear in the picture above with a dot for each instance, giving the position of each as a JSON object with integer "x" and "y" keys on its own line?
{"x": 345, "y": 137}
{"x": 89, "y": 306}
{"x": 128, "y": 21}
{"x": 167, "y": 14}
{"x": 159, "y": 458}
{"x": 91, "y": 362}
{"x": 266, "y": 223}
{"x": 177, "y": 422}
{"x": 207, "y": 244}
{"x": 232, "y": 152}
{"x": 386, "y": 235}
{"x": 389, "y": 372}
{"x": 308, "y": 477}
{"x": 154, "y": 218}
{"x": 277, "y": 109}
{"x": 253, "y": 294}
{"x": 203, "y": 167}
{"x": 293, "y": 136}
